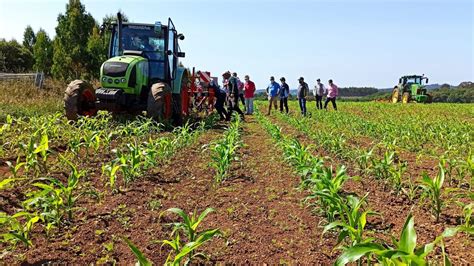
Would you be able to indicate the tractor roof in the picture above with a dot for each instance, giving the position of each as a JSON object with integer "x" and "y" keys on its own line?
{"x": 413, "y": 76}
{"x": 136, "y": 24}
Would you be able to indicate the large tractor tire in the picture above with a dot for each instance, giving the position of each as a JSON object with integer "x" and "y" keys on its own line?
{"x": 395, "y": 95}
{"x": 406, "y": 97}
{"x": 79, "y": 100}
{"x": 156, "y": 101}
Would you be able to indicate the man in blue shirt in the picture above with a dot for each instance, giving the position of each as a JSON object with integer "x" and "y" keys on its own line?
{"x": 272, "y": 92}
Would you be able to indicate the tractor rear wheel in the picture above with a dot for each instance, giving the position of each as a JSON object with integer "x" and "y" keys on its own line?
{"x": 406, "y": 97}
{"x": 156, "y": 100}
{"x": 79, "y": 100}
{"x": 395, "y": 95}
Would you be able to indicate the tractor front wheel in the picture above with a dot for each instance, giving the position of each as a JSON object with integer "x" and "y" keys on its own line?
{"x": 406, "y": 97}
{"x": 156, "y": 100}
{"x": 79, "y": 100}
{"x": 395, "y": 95}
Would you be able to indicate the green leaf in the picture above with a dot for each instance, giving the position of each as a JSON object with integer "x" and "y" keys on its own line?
{"x": 356, "y": 252}
{"x": 138, "y": 254}
{"x": 5, "y": 182}
{"x": 408, "y": 237}
{"x": 201, "y": 217}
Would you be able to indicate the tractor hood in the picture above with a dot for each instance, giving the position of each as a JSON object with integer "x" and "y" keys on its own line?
{"x": 127, "y": 72}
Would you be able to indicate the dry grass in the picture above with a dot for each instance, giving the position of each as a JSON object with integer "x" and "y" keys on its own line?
{"x": 22, "y": 98}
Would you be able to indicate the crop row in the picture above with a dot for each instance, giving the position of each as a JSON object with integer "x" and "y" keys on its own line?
{"x": 347, "y": 214}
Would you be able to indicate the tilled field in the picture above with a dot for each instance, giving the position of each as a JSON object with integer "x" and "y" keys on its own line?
{"x": 71, "y": 193}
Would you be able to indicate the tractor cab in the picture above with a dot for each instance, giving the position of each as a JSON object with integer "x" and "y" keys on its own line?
{"x": 411, "y": 88}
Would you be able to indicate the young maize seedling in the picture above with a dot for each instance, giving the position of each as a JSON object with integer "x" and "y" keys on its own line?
{"x": 194, "y": 237}
{"x": 18, "y": 231}
{"x": 352, "y": 221}
{"x": 433, "y": 190}
{"x": 403, "y": 252}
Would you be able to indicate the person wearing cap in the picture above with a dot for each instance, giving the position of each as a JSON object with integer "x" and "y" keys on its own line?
{"x": 241, "y": 89}
{"x": 249, "y": 92}
{"x": 233, "y": 95}
{"x": 284, "y": 93}
{"x": 318, "y": 92}
{"x": 272, "y": 93}
{"x": 303, "y": 91}
{"x": 333, "y": 91}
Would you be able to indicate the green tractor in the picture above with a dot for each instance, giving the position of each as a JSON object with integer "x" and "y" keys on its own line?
{"x": 141, "y": 74}
{"x": 411, "y": 88}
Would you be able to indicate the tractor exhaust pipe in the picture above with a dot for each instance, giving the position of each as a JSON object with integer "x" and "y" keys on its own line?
{"x": 119, "y": 30}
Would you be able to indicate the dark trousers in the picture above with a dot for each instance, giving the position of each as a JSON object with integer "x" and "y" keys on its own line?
{"x": 319, "y": 102}
{"x": 242, "y": 99}
{"x": 234, "y": 106}
{"x": 284, "y": 102}
{"x": 221, "y": 110}
{"x": 333, "y": 100}
{"x": 302, "y": 102}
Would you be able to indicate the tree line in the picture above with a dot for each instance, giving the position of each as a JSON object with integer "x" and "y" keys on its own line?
{"x": 77, "y": 50}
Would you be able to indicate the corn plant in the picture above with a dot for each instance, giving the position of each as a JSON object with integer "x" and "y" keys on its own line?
{"x": 189, "y": 229}
{"x": 382, "y": 168}
{"x": 15, "y": 168}
{"x": 180, "y": 249}
{"x": 351, "y": 221}
{"x": 18, "y": 227}
{"x": 401, "y": 252}
{"x": 56, "y": 201}
{"x": 396, "y": 176}
{"x": 410, "y": 189}
{"x": 364, "y": 160}
{"x": 224, "y": 150}
{"x": 433, "y": 190}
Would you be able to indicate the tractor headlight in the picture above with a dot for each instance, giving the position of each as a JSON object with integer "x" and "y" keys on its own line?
{"x": 104, "y": 79}
{"x": 123, "y": 80}
{"x": 117, "y": 81}
{"x": 110, "y": 80}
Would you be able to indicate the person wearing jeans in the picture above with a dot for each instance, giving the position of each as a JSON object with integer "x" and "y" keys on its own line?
{"x": 318, "y": 92}
{"x": 284, "y": 93}
{"x": 333, "y": 91}
{"x": 272, "y": 92}
{"x": 303, "y": 91}
{"x": 249, "y": 91}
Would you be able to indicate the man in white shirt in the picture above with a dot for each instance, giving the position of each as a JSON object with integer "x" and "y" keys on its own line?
{"x": 318, "y": 92}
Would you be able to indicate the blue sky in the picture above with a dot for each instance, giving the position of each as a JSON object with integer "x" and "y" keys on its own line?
{"x": 355, "y": 43}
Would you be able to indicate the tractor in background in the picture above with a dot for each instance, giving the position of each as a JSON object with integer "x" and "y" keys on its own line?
{"x": 411, "y": 88}
{"x": 141, "y": 74}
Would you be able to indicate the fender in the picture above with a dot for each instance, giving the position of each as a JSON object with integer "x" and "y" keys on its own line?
{"x": 182, "y": 75}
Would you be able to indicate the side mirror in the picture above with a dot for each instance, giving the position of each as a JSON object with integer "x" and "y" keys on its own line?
{"x": 426, "y": 80}
{"x": 181, "y": 36}
{"x": 181, "y": 54}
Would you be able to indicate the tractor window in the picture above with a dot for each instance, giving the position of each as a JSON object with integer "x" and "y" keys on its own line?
{"x": 143, "y": 38}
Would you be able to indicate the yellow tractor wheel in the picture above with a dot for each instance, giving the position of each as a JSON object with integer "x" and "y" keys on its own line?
{"x": 406, "y": 97}
{"x": 395, "y": 95}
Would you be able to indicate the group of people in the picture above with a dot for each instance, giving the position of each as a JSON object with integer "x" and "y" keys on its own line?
{"x": 235, "y": 91}
{"x": 281, "y": 91}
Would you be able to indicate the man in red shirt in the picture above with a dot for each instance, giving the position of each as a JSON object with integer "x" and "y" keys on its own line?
{"x": 249, "y": 92}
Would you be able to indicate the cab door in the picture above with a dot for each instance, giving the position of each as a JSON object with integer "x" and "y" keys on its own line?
{"x": 172, "y": 50}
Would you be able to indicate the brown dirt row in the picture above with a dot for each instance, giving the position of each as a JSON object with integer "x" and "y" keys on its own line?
{"x": 257, "y": 208}
{"x": 394, "y": 209}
